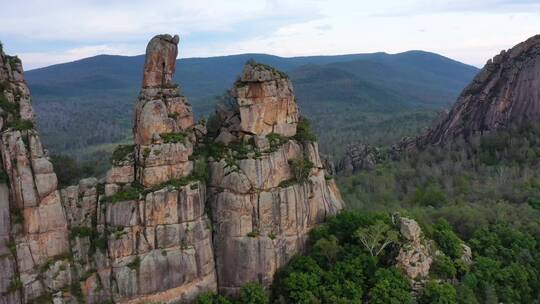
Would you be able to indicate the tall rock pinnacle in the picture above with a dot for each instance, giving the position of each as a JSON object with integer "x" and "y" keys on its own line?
{"x": 505, "y": 92}
{"x": 163, "y": 118}
{"x": 160, "y": 61}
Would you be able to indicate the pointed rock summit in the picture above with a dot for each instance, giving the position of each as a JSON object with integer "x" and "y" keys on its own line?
{"x": 506, "y": 92}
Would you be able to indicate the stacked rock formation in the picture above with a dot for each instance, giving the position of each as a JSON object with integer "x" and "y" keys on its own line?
{"x": 506, "y": 92}
{"x": 268, "y": 187}
{"x": 33, "y": 230}
{"x": 157, "y": 238}
{"x": 142, "y": 235}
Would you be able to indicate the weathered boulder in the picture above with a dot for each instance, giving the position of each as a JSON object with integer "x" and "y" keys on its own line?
{"x": 160, "y": 61}
{"x": 414, "y": 255}
{"x": 264, "y": 103}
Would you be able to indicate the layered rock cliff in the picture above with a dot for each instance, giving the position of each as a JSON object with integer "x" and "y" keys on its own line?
{"x": 178, "y": 212}
{"x": 267, "y": 186}
{"x": 34, "y": 249}
{"x": 506, "y": 92}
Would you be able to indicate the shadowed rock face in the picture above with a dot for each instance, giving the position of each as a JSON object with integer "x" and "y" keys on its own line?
{"x": 506, "y": 92}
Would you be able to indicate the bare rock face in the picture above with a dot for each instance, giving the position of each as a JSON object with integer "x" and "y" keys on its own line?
{"x": 505, "y": 92}
{"x": 414, "y": 256}
{"x": 160, "y": 61}
{"x": 264, "y": 102}
{"x": 34, "y": 229}
{"x": 263, "y": 207}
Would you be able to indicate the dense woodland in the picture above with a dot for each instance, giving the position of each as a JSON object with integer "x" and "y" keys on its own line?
{"x": 483, "y": 191}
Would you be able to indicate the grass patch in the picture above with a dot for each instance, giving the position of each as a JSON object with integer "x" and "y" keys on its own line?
{"x": 122, "y": 153}
{"x": 276, "y": 140}
{"x": 130, "y": 194}
{"x": 170, "y": 138}
{"x": 21, "y": 124}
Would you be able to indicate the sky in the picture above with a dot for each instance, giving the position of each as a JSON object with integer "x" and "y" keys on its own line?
{"x": 46, "y": 32}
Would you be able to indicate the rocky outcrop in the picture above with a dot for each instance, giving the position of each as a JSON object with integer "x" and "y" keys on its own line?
{"x": 267, "y": 185}
{"x": 143, "y": 233}
{"x": 34, "y": 248}
{"x": 414, "y": 255}
{"x": 506, "y": 92}
{"x": 359, "y": 157}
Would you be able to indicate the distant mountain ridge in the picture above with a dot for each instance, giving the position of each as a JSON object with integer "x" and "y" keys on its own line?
{"x": 80, "y": 99}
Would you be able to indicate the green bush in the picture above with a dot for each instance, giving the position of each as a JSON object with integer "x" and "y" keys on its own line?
{"x": 447, "y": 240}
{"x": 276, "y": 140}
{"x": 211, "y": 298}
{"x": 122, "y": 153}
{"x": 132, "y": 193}
{"x": 21, "y": 125}
{"x": 303, "y": 131}
{"x": 391, "y": 286}
{"x": 438, "y": 293}
{"x": 253, "y": 293}
{"x": 443, "y": 267}
{"x": 169, "y": 138}
{"x": 301, "y": 168}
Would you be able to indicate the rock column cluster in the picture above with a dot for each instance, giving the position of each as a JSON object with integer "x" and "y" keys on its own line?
{"x": 179, "y": 211}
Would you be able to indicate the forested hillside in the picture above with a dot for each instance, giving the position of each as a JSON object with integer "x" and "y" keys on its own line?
{"x": 84, "y": 106}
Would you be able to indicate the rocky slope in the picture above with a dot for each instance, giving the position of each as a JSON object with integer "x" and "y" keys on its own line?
{"x": 143, "y": 234}
{"x": 505, "y": 92}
